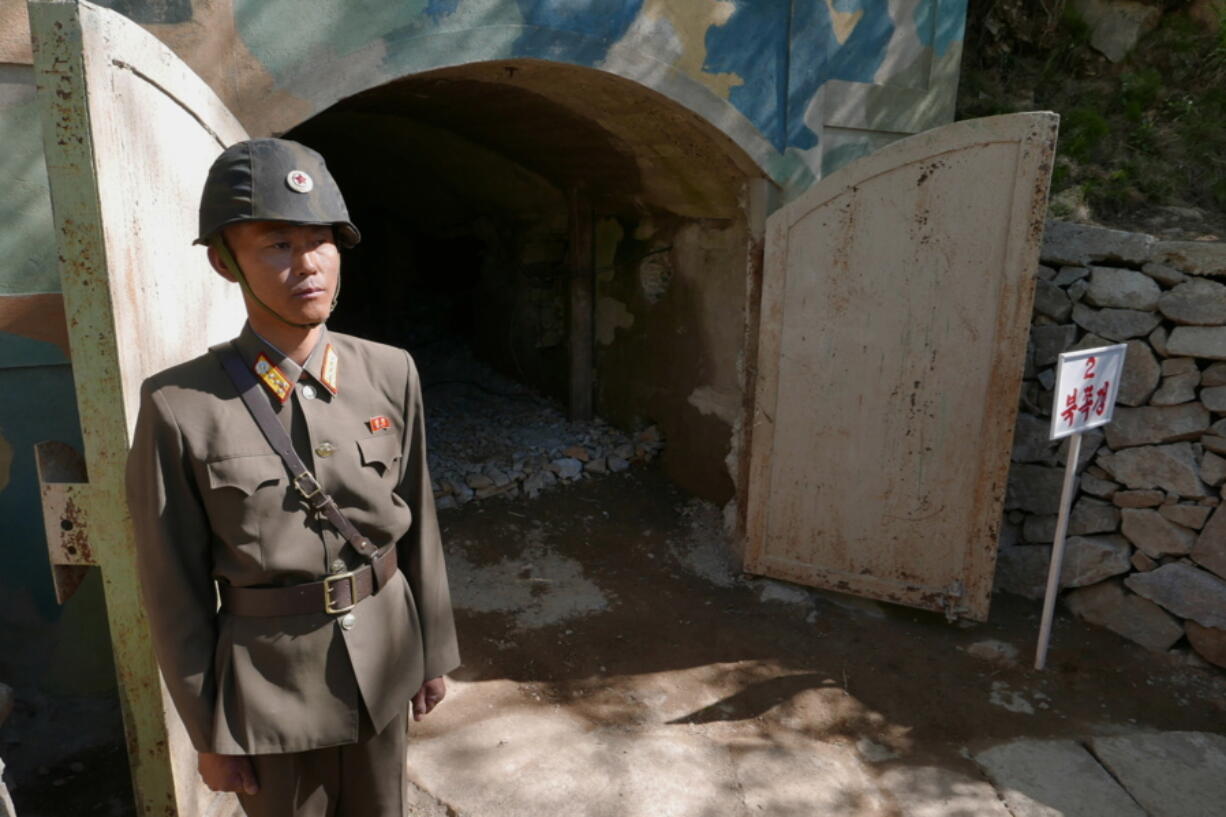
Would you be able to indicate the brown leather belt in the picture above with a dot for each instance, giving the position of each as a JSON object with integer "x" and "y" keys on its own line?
{"x": 336, "y": 594}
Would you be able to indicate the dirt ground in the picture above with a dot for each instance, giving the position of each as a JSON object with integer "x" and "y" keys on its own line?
{"x": 616, "y": 601}
{"x": 662, "y": 594}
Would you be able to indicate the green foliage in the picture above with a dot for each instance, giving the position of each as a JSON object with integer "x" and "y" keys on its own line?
{"x": 1082, "y": 132}
{"x": 1139, "y": 92}
{"x": 1060, "y": 176}
{"x": 1074, "y": 28}
{"x": 1217, "y": 191}
{"x": 1149, "y": 131}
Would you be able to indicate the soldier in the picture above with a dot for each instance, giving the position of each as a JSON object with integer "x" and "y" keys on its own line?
{"x": 284, "y": 475}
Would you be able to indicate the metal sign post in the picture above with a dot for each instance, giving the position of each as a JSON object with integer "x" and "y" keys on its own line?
{"x": 1087, "y": 383}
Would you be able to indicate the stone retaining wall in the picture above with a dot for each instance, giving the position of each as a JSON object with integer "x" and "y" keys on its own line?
{"x": 1146, "y": 553}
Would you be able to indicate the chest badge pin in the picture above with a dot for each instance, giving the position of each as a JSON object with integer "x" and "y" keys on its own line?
{"x": 378, "y": 423}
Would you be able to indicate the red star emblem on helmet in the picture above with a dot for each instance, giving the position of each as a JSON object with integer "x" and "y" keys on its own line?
{"x": 299, "y": 181}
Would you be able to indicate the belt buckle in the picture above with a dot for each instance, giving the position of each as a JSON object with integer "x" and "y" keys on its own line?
{"x": 316, "y": 488}
{"x": 329, "y": 606}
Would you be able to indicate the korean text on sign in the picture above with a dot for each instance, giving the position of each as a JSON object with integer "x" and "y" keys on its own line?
{"x": 1087, "y": 383}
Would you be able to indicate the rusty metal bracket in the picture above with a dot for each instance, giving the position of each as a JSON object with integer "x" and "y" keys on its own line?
{"x": 63, "y": 484}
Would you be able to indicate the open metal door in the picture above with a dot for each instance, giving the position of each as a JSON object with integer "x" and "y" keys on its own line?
{"x": 895, "y": 309}
{"x": 129, "y": 133}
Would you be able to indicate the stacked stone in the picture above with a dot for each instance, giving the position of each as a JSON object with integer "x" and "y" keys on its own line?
{"x": 1146, "y": 551}
{"x": 600, "y": 450}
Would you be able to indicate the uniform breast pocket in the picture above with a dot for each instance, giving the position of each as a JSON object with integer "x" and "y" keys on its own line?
{"x": 242, "y": 490}
{"x": 380, "y": 454}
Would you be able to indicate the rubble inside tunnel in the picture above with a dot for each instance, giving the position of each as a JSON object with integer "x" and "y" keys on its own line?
{"x": 491, "y": 436}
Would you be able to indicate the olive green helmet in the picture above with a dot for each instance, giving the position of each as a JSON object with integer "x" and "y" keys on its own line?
{"x": 272, "y": 180}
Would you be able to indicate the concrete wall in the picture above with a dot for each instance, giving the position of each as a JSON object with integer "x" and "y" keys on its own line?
{"x": 670, "y": 322}
{"x": 785, "y": 91}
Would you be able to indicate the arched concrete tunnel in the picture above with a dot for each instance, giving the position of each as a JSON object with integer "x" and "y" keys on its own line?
{"x": 459, "y": 180}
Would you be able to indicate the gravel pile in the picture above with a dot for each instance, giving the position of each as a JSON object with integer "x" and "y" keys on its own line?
{"x": 489, "y": 435}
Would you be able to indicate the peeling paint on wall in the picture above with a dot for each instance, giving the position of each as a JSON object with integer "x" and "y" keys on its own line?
{"x": 38, "y": 317}
{"x": 725, "y": 405}
{"x": 611, "y": 315}
{"x": 655, "y": 275}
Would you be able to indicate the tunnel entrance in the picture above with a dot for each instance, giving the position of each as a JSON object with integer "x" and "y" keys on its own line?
{"x": 465, "y": 183}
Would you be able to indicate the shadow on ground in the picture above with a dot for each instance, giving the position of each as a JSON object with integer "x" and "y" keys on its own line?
{"x": 615, "y": 656}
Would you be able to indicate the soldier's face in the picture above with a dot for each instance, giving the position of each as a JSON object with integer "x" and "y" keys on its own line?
{"x": 293, "y": 268}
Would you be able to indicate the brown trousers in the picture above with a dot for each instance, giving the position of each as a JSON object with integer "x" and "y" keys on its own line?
{"x": 363, "y": 779}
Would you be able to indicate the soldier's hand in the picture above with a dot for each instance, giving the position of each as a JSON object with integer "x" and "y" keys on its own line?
{"x": 228, "y": 773}
{"x": 428, "y": 696}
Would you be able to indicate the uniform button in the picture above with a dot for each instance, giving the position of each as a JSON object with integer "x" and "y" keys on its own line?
{"x": 325, "y": 449}
{"x": 308, "y": 391}
{"x": 338, "y": 566}
{"x": 348, "y": 621}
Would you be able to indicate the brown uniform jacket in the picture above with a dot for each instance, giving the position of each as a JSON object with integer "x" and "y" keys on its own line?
{"x": 211, "y": 501}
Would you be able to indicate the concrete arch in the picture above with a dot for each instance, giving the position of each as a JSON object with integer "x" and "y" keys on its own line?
{"x": 326, "y": 73}
{"x": 631, "y": 147}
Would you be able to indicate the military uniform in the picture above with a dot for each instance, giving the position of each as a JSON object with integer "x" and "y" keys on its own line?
{"x": 212, "y": 502}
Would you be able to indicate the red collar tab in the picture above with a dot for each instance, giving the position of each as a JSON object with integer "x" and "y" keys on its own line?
{"x": 273, "y": 378}
{"x": 327, "y": 369}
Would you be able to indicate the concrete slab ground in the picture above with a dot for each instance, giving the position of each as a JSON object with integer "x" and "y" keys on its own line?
{"x": 1050, "y": 778}
{"x": 617, "y": 663}
{"x": 1171, "y": 774}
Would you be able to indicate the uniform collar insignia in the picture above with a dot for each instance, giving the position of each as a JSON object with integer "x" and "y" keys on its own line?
{"x": 272, "y": 377}
{"x": 322, "y": 365}
{"x": 328, "y": 368}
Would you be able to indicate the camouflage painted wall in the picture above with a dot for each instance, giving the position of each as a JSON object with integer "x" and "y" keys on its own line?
{"x": 782, "y": 79}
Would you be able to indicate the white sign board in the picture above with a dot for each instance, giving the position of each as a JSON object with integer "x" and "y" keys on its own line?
{"x": 1087, "y": 383}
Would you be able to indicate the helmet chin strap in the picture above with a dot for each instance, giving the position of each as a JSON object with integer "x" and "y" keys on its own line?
{"x": 218, "y": 243}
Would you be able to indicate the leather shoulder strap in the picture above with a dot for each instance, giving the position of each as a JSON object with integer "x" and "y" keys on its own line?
{"x": 303, "y": 480}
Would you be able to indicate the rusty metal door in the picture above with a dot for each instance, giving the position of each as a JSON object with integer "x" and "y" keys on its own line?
{"x": 895, "y": 307}
{"x": 129, "y": 133}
